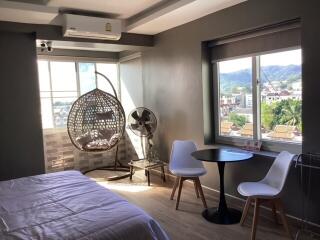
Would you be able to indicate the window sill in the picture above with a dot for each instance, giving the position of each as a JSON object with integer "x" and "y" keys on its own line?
{"x": 262, "y": 153}
{"x": 267, "y": 146}
{"x": 54, "y": 130}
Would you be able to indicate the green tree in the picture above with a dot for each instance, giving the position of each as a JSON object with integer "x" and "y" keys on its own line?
{"x": 288, "y": 112}
{"x": 237, "y": 119}
{"x": 267, "y": 115}
{"x": 285, "y": 112}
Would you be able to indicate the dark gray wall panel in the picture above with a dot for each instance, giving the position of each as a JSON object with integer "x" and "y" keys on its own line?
{"x": 20, "y": 120}
{"x": 207, "y": 90}
{"x": 310, "y": 96}
{"x": 269, "y": 42}
{"x": 310, "y": 75}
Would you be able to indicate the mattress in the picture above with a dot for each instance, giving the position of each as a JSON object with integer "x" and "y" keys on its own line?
{"x": 70, "y": 206}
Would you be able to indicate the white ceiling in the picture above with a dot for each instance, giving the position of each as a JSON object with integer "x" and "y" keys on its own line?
{"x": 182, "y": 15}
{"x": 26, "y": 13}
{"x": 121, "y": 8}
{"x": 139, "y": 16}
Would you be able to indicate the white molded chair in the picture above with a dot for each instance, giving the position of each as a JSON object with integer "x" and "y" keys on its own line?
{"x": 185, "y": 167}
{"x": 268, "y": 190}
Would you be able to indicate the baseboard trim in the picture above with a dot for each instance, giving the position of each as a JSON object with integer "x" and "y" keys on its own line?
{"x": 293, "y": 219}
{"x": 296, "y": 219}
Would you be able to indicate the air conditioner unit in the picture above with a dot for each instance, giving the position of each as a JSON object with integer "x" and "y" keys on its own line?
{"x": 91, "y": 27}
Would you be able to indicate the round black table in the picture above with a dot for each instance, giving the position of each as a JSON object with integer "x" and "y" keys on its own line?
{"x": 222, "y": 214}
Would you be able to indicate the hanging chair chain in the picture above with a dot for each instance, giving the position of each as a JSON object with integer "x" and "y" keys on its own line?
{"x": 109, "y": 81}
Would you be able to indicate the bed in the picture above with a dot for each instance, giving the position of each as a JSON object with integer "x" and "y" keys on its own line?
{"x": 70, "y": 206}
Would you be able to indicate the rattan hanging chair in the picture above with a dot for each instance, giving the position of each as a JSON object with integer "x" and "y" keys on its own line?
{"x": 96, "y": 123}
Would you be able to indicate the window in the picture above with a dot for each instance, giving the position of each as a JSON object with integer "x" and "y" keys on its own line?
{"x": 259, "y": 97}
{"x": 62, "y": 82}
{"x": 235, "y": 85}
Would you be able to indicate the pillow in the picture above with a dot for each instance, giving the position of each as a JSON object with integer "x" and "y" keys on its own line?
{"x": 99, "y": 144}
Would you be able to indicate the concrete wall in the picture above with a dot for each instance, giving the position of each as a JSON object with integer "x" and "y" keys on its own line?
{"x": 173, "y": 88}
{"x": 20, "y": 120}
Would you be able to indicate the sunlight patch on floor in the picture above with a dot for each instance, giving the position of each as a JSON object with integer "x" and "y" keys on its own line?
{"x": 138, "y": 184}
{"x": 123, "y": 187}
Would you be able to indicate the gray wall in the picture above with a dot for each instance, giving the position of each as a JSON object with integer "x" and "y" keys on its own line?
{"x": 172, "y": 69}
{"x": 131, "y": 84}
{"x": 173, "y": 87}
{"x": 20, "y": 121}
{"x": 130, "y": 72}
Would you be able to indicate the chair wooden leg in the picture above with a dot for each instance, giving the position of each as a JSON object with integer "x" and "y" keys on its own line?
{"x": 197, "y": 180}
{"x": 274, "y": 211}
{"x": 196, "y": 188}
{"x": 283, "y": 217}
{"x": 175, "y": 185}
{"x": 148, "y": 177}
{"x": 163, "y": 174}
{"x": 255, "y": 219}
{"x": 245, "y": 211}
{"x": 181, "y": 179}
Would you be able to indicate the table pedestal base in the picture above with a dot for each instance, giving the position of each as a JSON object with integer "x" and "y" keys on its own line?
{"x": 229, "y": 216}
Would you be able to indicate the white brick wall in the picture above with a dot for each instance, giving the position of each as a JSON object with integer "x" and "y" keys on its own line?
{"x": 61, "y": 155}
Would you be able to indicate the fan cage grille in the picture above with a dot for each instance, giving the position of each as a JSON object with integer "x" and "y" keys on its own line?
{"x": 152, "y": 122}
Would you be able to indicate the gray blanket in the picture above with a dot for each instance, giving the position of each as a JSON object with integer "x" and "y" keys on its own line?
{"x": 70, "y": 206}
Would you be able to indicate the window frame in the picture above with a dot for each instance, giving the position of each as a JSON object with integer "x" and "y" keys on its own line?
{"x": 76, "y": 61}
{"x": 268, "y": 145}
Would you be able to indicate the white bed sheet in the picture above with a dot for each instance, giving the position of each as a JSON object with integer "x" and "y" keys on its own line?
{"x": 69, "y": 206}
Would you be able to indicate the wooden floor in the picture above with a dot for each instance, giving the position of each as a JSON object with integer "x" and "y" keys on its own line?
{"x": 186, "y": 223}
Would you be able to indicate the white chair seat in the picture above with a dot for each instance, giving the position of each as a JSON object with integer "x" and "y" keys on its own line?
{"x": 257, "y": 189}
{"x": 268, "y": 189}
{"x": 189, "y": 172}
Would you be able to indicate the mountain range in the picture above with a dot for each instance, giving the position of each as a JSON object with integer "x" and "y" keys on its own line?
{"x": 284, "y": 74}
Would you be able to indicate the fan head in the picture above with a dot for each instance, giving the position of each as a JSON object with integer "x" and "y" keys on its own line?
{"x": 142, "y": 122}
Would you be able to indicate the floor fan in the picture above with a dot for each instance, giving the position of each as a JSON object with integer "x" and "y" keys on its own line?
{"x": 142, "y": 122}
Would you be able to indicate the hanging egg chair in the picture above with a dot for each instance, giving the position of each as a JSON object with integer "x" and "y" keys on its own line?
{"x": 96, "y": 123}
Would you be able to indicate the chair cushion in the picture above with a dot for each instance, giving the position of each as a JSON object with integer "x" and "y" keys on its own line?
{"x": 257, "y": 189}
{"x": 189, "y": 172}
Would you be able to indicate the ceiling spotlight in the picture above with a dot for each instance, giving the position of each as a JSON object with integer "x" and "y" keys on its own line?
{"x": 46, "y": 46}
{"x": 49, "y": 46}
